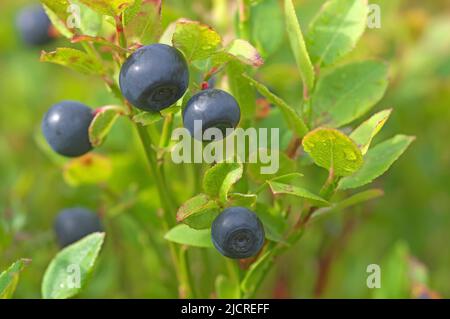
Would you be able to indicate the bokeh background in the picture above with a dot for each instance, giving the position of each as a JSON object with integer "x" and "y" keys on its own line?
{"x": 407, "y": 231}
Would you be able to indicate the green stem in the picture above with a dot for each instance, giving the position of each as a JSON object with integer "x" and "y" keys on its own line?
{"x": 296, "y": 233}
{"x": 244, "y": 18}
{"x": 166, "y": 131}
{"x": 234, "y": 273}
{"x": 167, "y": 205}
{"x": 187, "y": 287}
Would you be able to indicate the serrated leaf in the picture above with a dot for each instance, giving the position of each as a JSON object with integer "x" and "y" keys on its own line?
{"x": 336, "y": 29}
{"x": 241, "y": 89}
{"x": 348, "y": 202}
{"x": 298, "y": 45}
{"x": 364, "y": 133}
{"x": 102, "y": 123}
{"x": 73, "y": 262}
{"x": 10, "y": 278}
{"x": 333, "y": 150}
{"x": 219, "y": 179}
{"x": 74, "y": 59}
{"x": 147, "y": 118}
{"x": 185, "y": 235}
{"x": 266, "y": 26}
{"x": 256, "y": 272}
{"x": 57, "y": 12}
{"x": 377, "y": 161}
{"x": 226, "y": 289}
{"x": 281, "y": 188}
{"x": 88, "y": 169}
{"x": 112, "y": 8}
{"x": 198, "y": 212}
{"x": 348, "y": 92}
{"x": 293, "y": 119}
{"x": 196, "y": 40}
{"x": 143, "y": 21}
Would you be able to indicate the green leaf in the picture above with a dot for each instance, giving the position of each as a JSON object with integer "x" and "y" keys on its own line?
{"x": 244, "y": 52}
{"x": 185, "y": 235}
{"x": 280, "y": 188}
{"x": 364, "y": 133}
{"x": 274, "y": 222}
{"x": 88, "y": 169}
{"x": 57, "y": 11}
{"x": 196, "y": 40}
{"x": 245, "y": 200}
{"x": 103, "y": 121}
{"x": 257, "y": 170}
{"x": 99, "y": 40}
{"x": 333, "y": 150}
{"x": 74, "y": 59}
{"x": 395, "y": 273}
{"x": 293, "y": 119}
{"x": 256, "y": 272}
{"x": 298, "y": 45}
{"x": 218, "y": 179}
{"x": 335, "y": 31}
{"x": 10, "y": 278}
{"x": 198, "y": 212}
{"x": 143, "y": 21}
{"x": 90, "y": 22}
{"x": 266, "y": 26}
{"x": 241, "y": 89}
{"x": 348, "y": 92}
{"x": 109, "y": 7}
{"x": 226, "y": 289}
{"x": 70, "y": 264}
{"x": 377, "y": 161}
{"x": 147, "y": 118}
{"x": 348, "y": 202}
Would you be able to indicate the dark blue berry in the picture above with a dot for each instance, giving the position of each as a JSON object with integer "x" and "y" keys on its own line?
{"x": 34, "y": 25}
{"x": 237, "y": 233}
{"x": 66, "y": 128}
{"x": 72, "y": 224}
{"x": 215, "y": 108}
{"x": 154, "y": 77}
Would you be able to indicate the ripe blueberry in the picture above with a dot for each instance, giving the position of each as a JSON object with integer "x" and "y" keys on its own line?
{"x": 72, "y": 224}
{"x": 237, "y": 233}
{"x": 66, "y": 128}
{"x": 34, "y": 25}
{"x": 154, "y": 77}
{"x": 215, "y": 108}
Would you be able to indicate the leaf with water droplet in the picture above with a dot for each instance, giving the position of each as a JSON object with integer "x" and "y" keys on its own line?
{"x": 333, "y": 150}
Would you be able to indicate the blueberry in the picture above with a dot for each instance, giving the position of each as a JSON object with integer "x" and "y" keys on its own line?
{"x": 154, "y": 77}
{"x": 34, "y": 25}
{"x": 237, "y": 233}
{"x": 215, "y": 108}
{"x": 72, "y": 224}
{"x": 66, "y": 128}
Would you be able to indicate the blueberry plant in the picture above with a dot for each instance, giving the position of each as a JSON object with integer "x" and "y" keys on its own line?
{"x": 168, "y": 78}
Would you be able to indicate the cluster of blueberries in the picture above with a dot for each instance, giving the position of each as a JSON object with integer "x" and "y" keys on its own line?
{"x": 153, "y": 78}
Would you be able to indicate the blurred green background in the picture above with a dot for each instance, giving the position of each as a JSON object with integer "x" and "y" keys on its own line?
{"x": 412, "y": 219}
